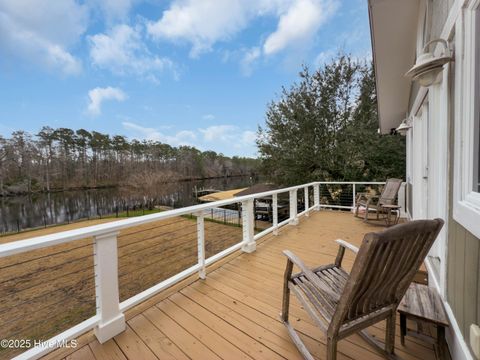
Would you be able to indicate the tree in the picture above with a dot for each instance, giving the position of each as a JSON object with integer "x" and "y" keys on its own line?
{"x": 46, "y": 138}
{"x": 325, "y": 128}
{"x": 62, "y": 158}
{"x": 66, "y": 140}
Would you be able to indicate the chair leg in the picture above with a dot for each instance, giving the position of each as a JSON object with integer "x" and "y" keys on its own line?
{"x": 390, "y": 334}
{"x": 285, "y": 303}
{"x": 331, "y": 349}
{"x": 403, "y": 328}
{"x": 286, "y": 291}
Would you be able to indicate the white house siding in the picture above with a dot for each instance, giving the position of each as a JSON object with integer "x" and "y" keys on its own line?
{"x": 458, "y": 275}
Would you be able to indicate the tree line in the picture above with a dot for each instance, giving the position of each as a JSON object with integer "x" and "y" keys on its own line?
{"x": 62, "y": 158}
{"x": 325, "y": 128}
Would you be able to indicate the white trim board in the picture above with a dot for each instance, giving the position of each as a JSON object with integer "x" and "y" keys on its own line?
{"x": 466, "y": 201}
{"x": 456, "y": 343}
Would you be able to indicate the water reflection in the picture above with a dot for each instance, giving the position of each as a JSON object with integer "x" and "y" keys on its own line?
{"x": 38, "y": 210}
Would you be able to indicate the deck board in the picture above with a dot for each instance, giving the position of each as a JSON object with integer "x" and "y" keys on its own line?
{"x": 234, "y": 313}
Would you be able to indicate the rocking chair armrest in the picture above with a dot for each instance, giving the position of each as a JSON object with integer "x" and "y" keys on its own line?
{"x": 362, "y": 194}
{"x": 309, "y": 274}
{"x": 341, "y": 250}
{"x": 373, "y": 199}
{"x": 347, "y": 245}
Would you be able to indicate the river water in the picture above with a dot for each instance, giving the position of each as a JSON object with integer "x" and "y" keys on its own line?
{"x": 43, "y": 209}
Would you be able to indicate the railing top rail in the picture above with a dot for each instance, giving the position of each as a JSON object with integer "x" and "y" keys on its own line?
{"x": 39, "y": 242}
{"x": 352, "y": 182}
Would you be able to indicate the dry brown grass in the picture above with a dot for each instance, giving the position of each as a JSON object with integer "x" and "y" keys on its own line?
{"x": 46, "y": 291}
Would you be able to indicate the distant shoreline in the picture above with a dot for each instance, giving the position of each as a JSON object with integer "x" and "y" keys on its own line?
{"x": 112, "y": 186}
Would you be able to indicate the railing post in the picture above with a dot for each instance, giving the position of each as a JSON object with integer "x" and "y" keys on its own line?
{"x": 275, "y": 213}
{"x": 249, "y": 244}
{"x": 316, "y": 196}
{"x": 354, "y": 196}
{"x": 201, "y": 245}
{"x": 293, "y": 207}
{"x": 307, "y": 205}
{"x": 112, "y": 321}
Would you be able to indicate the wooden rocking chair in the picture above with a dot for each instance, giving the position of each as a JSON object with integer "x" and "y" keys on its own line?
{"x": 342, "y": 303}
{"x": 375, "y": 202}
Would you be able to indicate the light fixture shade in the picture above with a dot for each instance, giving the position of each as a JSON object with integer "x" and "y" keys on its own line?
{"x": 428, "y": 66}
{"x": 404, "y": 127}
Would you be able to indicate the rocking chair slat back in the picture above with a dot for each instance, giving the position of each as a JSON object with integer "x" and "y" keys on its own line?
{"x": 384, "y": 268}
{"x": 390, "y": 191}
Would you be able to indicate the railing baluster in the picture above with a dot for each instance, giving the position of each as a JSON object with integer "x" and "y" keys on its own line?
{"x": 201, "y": 245}
{"x": 112, "y": 321}
{"x": 293, "y": 207}
{"x": 275, "y": 213}
{"x": 248, "y": 223}
{"x": 306, "y": 201}
{"x": 354, "y": 195}
{"x": 316, "y": 196}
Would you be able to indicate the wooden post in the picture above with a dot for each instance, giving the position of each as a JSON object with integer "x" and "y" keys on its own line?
{"x": 293, "y": 207}
{"x": 307, "y": 205}
{"x": 112, "y": 321}
{"x": 201, "y": 245}
{"x": 249, "y": 244}
{"x": 275, "y": 213}
{"x": 316, "y": 196}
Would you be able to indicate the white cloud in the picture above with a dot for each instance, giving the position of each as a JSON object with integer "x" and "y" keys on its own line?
{"x": 201, "y": 23}
{"x": 227, "y": 139}
{"x": 219, "y": 133}
{"x": 249, "y": 137}
{"x": 114, "y": 9}
{"x": 324, "y": 57}
{"x": 230, "y": 135}
{"x": 122, "y": 51}
{"x": 98, "y": 95}
{"x": 250, "y": 56}
{"x": 299, "y": 24}
{"x": 184, "y": 137}
{"x": 204, "y": 23}
{"x": 42, "y": 34}
{"x": 208, "y": 117}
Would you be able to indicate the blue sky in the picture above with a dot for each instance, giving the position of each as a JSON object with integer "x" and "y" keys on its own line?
{"x": 184, "y": 72}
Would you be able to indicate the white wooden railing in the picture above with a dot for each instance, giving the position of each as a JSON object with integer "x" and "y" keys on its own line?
{"x": 109, "y": 319}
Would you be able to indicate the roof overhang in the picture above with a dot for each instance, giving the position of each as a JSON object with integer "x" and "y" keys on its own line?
{"x": 393, "y": 28}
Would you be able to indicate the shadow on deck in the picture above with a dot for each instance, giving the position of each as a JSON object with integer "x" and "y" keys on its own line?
{"x": 234, "y": 313}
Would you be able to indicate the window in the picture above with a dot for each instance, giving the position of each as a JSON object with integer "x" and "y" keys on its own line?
{"x": 466, "y": 207}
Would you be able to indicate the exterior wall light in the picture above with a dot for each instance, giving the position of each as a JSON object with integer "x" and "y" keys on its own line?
{"x": 428, "y": 66}
{"x": 404, "y": 126}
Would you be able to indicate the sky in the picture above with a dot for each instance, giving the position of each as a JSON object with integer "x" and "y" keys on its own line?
{"x": 183, "y": 72}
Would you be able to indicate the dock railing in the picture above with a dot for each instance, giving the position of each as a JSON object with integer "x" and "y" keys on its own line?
{"x": 103, "y": 253}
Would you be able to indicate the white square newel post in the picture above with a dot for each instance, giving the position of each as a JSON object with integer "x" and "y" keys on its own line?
{"x": 112, "y": 321}
{"x": 293, "y": 208}
{"x": 248, "y": 223}
{"x": 306, "y": 201}
{"x": 202, "y": 273}
{"x": 275, "y": 213}
{"x": 316, "y": 196}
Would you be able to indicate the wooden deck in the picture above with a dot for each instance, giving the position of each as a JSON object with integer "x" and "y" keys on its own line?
{"x": 234, "y": 313}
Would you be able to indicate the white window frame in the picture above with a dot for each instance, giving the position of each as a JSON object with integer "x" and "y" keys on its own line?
{"x": 466, "y": 205}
